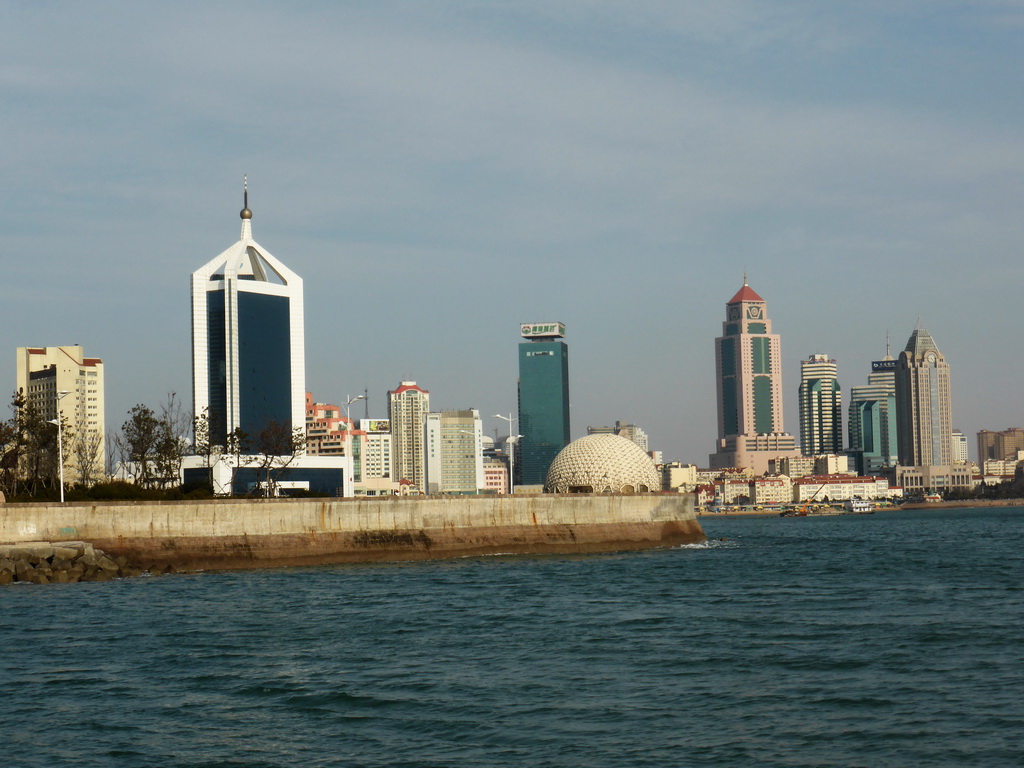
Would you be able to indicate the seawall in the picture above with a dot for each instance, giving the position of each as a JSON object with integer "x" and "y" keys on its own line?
{"x": 253, "y": 533}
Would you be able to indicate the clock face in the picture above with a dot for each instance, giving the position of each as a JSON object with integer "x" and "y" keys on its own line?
{"x": 755, "y": 313}
{"x": 734, "y": 313}
{"x": 931, "y": 358}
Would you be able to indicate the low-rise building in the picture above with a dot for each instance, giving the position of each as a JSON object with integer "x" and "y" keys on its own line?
{"x": 832, "y": 488}
{"x": 678, "y": 477}
{"x": 935, "y": 479}
{"x": 771, "y": 489}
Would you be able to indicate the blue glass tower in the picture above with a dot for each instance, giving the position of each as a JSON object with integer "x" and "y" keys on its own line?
{"x": 543, "y": 399}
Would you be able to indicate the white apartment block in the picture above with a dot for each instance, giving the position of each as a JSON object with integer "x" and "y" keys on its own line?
{"x": 376, "y": 444}
{"x": 834, "y": 488}
{"x": 771, "y": 490}
{"x": 959, "y": 447}
{"x": 454, "y": 452}
{"x": 43, "y": 374}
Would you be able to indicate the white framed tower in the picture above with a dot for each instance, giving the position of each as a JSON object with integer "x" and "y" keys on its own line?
{"x": 248, "y": 344}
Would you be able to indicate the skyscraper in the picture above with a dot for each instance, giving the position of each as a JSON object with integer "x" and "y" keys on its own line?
{"x": 248, "y": 353}
{"x": 408, "y": 406}
{"x": 872, "y": 420}
{"x": 923, "y": 407}
{"x": 63, "y": 381}
{"x": 821, "y": 407}
{"x": 748, "y": 362}
{"x": 543, "y": 399}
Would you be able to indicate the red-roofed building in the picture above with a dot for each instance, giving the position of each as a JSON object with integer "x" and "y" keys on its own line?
{"x": 748, "y": 364}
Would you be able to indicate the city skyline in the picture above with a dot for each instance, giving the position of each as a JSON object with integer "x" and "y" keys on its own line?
{"x": 439, "y": 177}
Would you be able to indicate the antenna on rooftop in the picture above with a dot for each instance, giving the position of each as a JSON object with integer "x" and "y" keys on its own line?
{"x": 366, "y": 403}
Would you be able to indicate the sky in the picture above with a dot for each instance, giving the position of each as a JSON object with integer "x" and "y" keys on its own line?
{"x": 439, "y": 173}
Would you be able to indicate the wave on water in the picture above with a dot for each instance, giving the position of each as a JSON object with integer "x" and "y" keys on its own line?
{"x": 709, "y": 544}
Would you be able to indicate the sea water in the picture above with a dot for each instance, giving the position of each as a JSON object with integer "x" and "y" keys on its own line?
{"x": 894, "y": 639}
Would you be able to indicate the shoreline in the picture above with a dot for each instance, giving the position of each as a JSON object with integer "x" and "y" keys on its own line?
{"x": 965, "y": 504}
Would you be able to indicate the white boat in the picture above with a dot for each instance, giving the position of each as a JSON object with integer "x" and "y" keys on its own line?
{"x": 858, "y": 506}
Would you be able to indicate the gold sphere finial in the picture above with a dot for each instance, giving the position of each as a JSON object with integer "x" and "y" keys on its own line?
{"x": 245, "y": 213}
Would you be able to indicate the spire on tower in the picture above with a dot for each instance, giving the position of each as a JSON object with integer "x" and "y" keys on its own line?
{"x": 246, "y": 213}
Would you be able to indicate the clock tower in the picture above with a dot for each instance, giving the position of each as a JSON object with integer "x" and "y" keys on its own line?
{"x": 748, "y": 363}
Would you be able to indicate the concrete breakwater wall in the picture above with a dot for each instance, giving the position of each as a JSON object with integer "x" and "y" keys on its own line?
{"x": 247, "y": 533}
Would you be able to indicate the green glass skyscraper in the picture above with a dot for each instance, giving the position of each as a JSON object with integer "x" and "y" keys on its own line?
{"x": 543, "y": 399}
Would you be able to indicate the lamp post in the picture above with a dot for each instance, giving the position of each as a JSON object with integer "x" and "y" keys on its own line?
{"x": 511, "y": 452}
{"x": 348, "y": 439}
{"x": 60, "y": 441}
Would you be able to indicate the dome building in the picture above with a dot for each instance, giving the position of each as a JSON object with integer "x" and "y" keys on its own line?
{"x": 602, "y": 463}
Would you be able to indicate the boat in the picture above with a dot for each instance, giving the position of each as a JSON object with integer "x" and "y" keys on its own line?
{"x": 858, "y": 506}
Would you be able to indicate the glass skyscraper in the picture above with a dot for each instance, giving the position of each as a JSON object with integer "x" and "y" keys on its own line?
{"x": 543, "y": 400}
{"x": 872, "y": 425}
{"x": 248, "y": 359}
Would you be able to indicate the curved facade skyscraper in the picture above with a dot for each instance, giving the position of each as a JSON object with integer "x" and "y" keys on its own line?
{"x": 821, "y": 407}
{"x": 248, "y": 348}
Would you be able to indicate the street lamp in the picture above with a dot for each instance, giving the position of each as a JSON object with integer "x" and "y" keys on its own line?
{"x": 511, "y": 452}
{"x": 348, "y": 440}
{"x": 60, "y": 441}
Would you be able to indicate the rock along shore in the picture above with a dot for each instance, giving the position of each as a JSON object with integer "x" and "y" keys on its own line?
{"x": 62, "y": 562}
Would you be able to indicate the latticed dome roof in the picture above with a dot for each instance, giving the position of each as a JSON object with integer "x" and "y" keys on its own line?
{"x": 602, "y": 463}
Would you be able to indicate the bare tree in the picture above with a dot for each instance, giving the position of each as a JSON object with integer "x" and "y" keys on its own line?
{"x": 278, "y": 446}
{"x": 115, "y": 452}
{"x": 172, "y": 442}
{"x": 87, "y": 452}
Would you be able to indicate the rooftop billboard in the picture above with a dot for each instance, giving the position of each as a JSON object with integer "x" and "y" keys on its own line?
{"x": 542, "y": 330}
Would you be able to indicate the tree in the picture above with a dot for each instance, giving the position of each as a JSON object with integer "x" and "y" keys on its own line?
{"x": 87, "y": 449}
{"x": 277, "y": 447}
{"x": 29, "y": 464}
{"x": 140, "y": 435}
{"x": 201, "y": 444}
{"x": 171, "y": 442}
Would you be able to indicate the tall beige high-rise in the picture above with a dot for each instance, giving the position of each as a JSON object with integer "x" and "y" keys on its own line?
{"x": 748, "y": 363}
{"x": 43, "y": 373}
{"x": 408, "y": 405}
{"x": 924, "y": 411}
